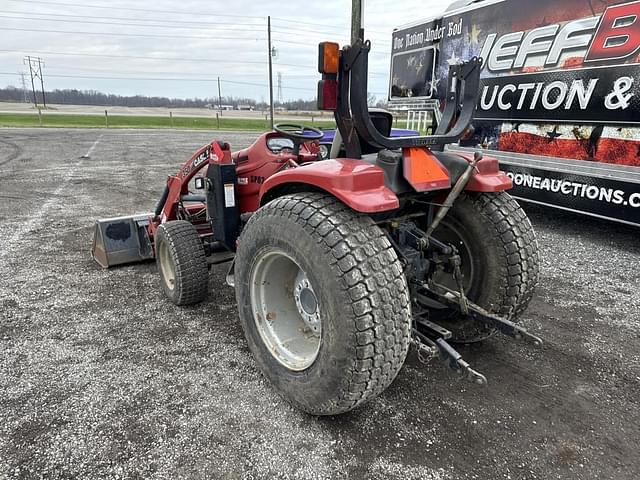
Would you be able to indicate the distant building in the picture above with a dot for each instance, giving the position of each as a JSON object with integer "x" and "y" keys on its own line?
{"x": 219, "y": 107}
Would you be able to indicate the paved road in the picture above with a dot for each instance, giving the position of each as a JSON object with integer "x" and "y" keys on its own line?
{"x": 8, "y": 107}
{"x": 100, "y": 377}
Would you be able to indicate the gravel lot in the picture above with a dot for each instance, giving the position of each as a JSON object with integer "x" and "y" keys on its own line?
{"x": 101, "y": 377}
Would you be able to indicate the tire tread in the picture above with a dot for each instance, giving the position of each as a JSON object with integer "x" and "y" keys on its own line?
{"x": 517, "y": 238}
{"x": 192, "y": 273}
{"x": 370, "y": 275}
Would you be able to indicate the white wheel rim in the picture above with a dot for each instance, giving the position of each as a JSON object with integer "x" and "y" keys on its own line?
{"x": 167, "y": 267}
{"x": 285, "y": 309}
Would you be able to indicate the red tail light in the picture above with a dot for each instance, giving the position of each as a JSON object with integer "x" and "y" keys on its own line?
{"x": 328, "y": 66}
{"x": 327, "y": 94}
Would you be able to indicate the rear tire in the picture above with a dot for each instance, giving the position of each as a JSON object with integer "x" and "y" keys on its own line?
{"x": 357, "y": 294}
{"x": 500, "y": 258}
{"x": 182, "y": 263}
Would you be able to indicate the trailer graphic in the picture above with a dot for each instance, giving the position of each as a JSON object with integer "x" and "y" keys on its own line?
{"x": 559, "y": 97}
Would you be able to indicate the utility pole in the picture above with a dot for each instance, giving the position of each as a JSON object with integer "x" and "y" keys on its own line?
{"x": 44, "y": 100}
{"x": 24, "y": 88}
{"x": 35, "y": 70}
{"x": 357, "y": 17}
{"x": 219, "y": 97}
{"x": 27, "y": 60}
{"x": 280, "y": 99}
{"x": 270, "y": 70}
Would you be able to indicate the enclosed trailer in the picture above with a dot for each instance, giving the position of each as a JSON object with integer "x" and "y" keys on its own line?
{"x": 559, "y": 100}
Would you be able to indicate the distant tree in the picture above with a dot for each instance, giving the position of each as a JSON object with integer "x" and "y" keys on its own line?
{"x": 382, "y": 104}
{"x": 93, "y": 97}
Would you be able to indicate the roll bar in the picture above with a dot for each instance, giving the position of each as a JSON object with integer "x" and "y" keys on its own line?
{"x": 352, "y": 114}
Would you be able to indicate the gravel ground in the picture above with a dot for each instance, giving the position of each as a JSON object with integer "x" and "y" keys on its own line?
{"x": 100, "y": 377}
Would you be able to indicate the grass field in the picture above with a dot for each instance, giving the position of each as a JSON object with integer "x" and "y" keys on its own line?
{"x": 126, "y": 121}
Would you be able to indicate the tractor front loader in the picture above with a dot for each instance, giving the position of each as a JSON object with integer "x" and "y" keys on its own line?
{"x": 339, "y": 265}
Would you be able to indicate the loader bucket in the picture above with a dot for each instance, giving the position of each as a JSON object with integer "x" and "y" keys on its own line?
{"x": 121, "y": 240}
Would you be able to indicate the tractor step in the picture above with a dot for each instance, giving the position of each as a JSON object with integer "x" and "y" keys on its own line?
{"x": 220, "y": 257}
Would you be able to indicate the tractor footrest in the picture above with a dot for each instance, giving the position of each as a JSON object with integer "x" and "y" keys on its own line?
{"x": 220, "y": 257}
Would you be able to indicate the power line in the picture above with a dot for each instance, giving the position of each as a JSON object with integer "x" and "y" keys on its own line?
{"x": 164, "y": 79}
{"x": 328, "y": 35}
{"x": 189, "y": 23}
{"x": 158, "y": 72}
{"x": 315, "y": 76}
{"x": 141, "y": 57}
{"x": 118, "y": 34}
{"x": 176, "y": 59}
{"x": 148, "y": 22}
{"x": 149, "y": 35}
{"x": 174, "y": 79}
{"x": 131, "y": 9}
{"x": 345, "y": 29}
{"x": 66, "y": 68}
{"x": 40, "y": 19}
{"x": 177, "y": 12}
{"x": 241, "y": 29}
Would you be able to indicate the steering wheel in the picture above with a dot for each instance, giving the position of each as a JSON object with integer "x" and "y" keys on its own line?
{"x": 298, "y": 134}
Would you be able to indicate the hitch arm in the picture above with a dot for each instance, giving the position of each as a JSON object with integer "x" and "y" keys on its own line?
{"x": 451, "y": 299}
{"x": 436, "y": 343}
{"x": 457, "y": 363}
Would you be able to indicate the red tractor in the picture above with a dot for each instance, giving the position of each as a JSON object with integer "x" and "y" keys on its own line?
{"x": 340, "y": 264}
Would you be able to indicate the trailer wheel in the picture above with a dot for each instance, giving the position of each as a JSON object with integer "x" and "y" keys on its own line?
{"x": 182, "y": 263}
{"x": 323, "y": 302}
{"x": 500, "y": 260}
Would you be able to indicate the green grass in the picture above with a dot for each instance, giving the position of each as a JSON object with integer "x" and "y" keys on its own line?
{"x": 126, "y": 121}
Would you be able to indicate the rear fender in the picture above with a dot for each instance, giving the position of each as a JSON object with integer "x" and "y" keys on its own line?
{"x": 357, "y": 184}
{"x": 487, "y": 177}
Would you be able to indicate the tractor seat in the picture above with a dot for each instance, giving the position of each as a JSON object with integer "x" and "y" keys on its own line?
{"x": 383, "y": 121}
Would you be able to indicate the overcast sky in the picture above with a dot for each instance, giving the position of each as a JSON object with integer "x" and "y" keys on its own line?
{"x": 184, "y": 46}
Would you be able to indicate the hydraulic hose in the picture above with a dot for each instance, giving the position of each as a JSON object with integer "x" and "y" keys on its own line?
{"x": 163, "y": 199}
{"x": 454, "y": 194}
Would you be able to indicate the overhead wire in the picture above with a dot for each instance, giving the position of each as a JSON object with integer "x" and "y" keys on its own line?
{"x": 175, "y": 79}
{"x": 178, "y": 12}
{"x": 172, "y": 59}
{"x": 319, "y": 29}
{"x": 132, "y": 9}
{"x": 188, "y": 25}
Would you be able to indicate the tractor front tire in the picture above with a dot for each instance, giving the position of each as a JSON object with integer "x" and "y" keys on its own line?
{"x": 182, "y": 263}
{"x": 323, "y": 302}
{"x": 500, "y": 260}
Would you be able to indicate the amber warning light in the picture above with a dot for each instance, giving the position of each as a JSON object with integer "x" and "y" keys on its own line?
{"x": 328, "y": 58}
{"x": 328, "y": 64}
